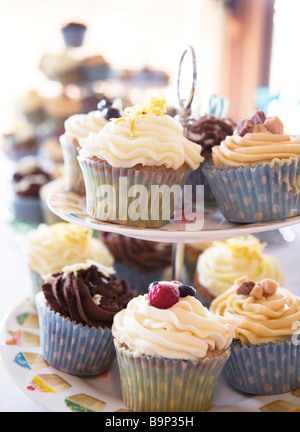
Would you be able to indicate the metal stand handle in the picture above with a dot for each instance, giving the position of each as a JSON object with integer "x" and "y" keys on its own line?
{"x": 184, "y": 116}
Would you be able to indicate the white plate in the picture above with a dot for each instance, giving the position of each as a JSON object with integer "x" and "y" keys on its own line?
{"x": 72, "y": 208}
{"x": 22, "y": 323}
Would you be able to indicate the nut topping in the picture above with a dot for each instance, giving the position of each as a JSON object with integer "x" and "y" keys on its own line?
{"x": 265, "y": 288}
{"x": 245, "y": 288}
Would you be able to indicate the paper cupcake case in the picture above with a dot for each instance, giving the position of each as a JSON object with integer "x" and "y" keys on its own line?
{"x": 97, "y": 174}
{"x": 264, "y": 369}
{"x": 152, "y": 384}
{"x": 27, "y": 209}
{"x": 138, "y": 281}
{"x": 257, "y": 193}
{"x": 198, "y": 177}
{"x": 73, "y": 348}
{"x": 72, "y": 173}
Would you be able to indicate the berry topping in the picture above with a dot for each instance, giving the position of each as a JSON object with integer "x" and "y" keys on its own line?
{"x": 186, "y": 290}
{"x": 176, "y": 282}
{"x": 111, "y": 112}
{"x": 152, "y": 285}
{"x": 163, "y": 296}
{"x": 104, "y": 103}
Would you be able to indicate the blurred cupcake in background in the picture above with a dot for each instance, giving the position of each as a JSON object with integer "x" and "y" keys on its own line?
{"x": 50, "y": 248}
{"x": 73, "y": 34}
{"x": 21, "y": 141}
{"x": 225, "y": 261}
{"x": 79, "y": 126}
{"x": 138, "y": 261}
{"x": 31, "y": 105}
{"x": 265, "y": 354}
{"x": 208, "y": 131}
{"x": 95, "y": 68}
{"x": 75, "y": 329}
{"x": 62, "y": 67}
{"x": 255, "y": 172}
{"x": 28, "y": 179}
{"x": 170, "y": 349}
{"x": 59, "y": 108}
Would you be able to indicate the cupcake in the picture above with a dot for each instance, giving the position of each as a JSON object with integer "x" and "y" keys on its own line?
{"x": 170, "y": 350}
{"x": 141, "y": 154}
{"x": 73, "y": 34}
{"x": 76, "y": 309}
{"x": 31, "y": 106}
{"x": 95, "y": 68}
{"x": 28, "y": 180}
{"x": 208, "y": 131}
{"x": 138, "y": 261}
{"x": 50, "y": 248}
{"x": 62, "y": 67}
{"x": 225, "y": 261}
{"x": 59, "y": 108}
{"x": 21, "y": 141}
{"x": 265, "y": 354}
{"x": 79, "y": 126}
{"x": 255, "y": 172}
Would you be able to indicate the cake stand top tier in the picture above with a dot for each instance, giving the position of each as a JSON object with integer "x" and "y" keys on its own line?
{"x": 70, "y": 207}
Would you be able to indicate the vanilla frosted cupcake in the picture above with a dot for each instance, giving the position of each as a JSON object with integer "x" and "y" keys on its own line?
{"x": 265, "y": 355}
{"x": 225, "y": 261}
{"x": 76, "y": 127}
{"x": 50, "y": 248}
{"x": 255, "y": 172}
{"x": 145, "y": 149}
{"x": 170, "y": 349}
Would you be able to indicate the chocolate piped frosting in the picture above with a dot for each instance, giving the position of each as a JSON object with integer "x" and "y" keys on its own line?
{"x": 144, "y": 256}
{"x": 209, "y": 131}
{"x": 75, "y": 295}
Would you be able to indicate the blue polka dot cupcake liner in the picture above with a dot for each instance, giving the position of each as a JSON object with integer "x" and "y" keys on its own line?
{"x": 156, "y": 384}
{"x": 257, "y": 193}
{"x": 73, "y": 348}
{"x": 198, "y": 177}
{"x": 135, "y": 195}
{"x": 265, "y": 369}
{"x": 138, "y": 281}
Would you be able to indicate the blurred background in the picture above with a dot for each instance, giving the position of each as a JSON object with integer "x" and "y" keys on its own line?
{"x": 60, "y": 57}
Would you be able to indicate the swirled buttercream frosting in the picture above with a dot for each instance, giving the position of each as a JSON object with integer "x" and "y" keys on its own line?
{"x": 51, "y": 247}
{"x": 225, "y": 261}
{"x": 143, "y": 135}
{"x": 261, "y": 315}
{"x": 87, "y": 293}
{"x": 80, "y": 125}
{"x": 187, "y": 330}
{"x": 255, "y": 141}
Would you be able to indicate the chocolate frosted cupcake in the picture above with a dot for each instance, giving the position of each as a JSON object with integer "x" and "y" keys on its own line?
{"x": 138, "y": 261}
{"x": 208, "y": 132}
{"x": 27, "y": 182}
{"x": 76, "y": 309}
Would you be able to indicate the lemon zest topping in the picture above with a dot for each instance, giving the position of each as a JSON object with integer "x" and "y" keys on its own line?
{"x": 156, "y": 106}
